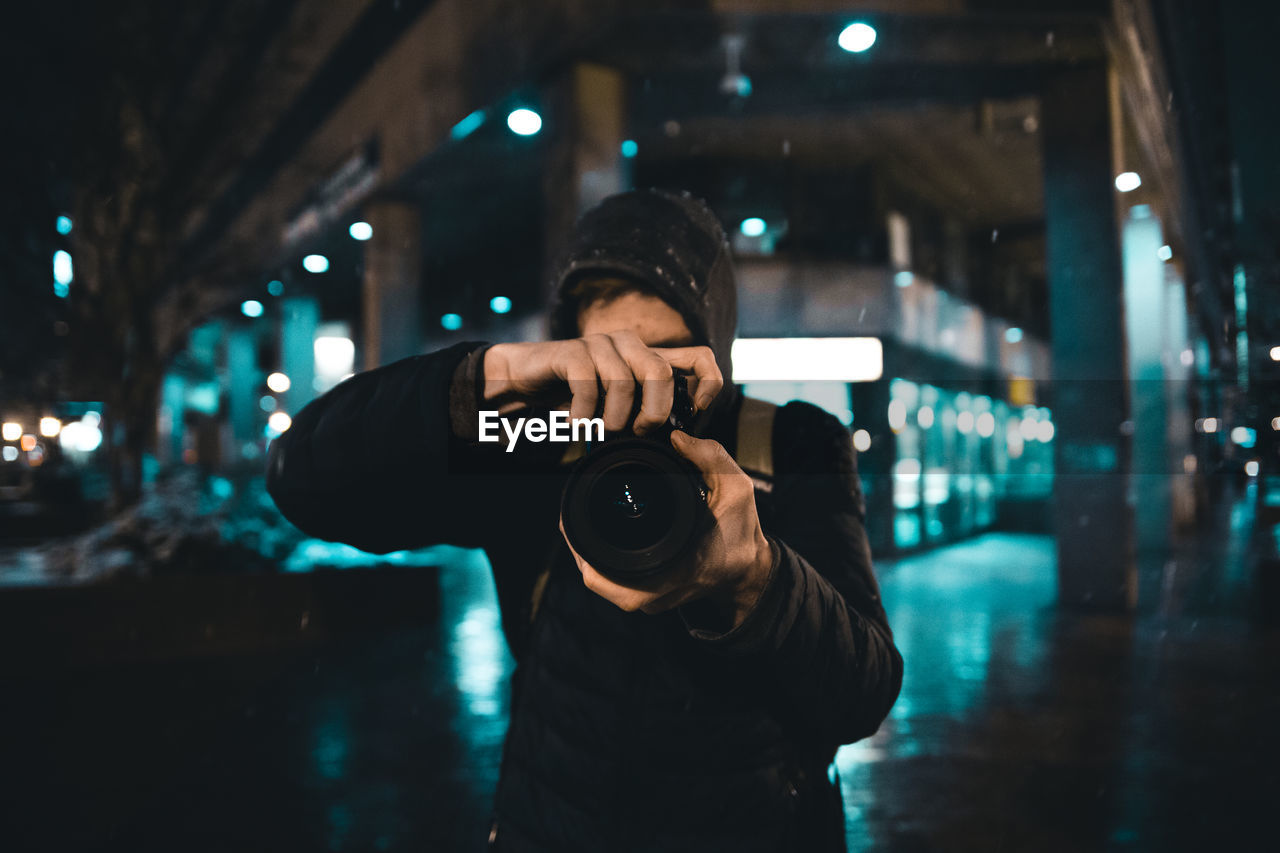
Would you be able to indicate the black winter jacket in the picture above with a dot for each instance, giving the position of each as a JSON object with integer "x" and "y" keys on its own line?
{"x": 629, "y": 732}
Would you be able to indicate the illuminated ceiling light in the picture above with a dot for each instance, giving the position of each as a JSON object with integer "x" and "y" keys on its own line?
{"x": 524, "y": 122}
{"x": 275, "y": 287}
{"x": 468, "y": 125}
{"x": 986, "y": 424}
{"x": 1251, "y": 468}
{"x": 11, "y": 431}
{"x": 964, "y": 422}
{"x": 1275, "y": 424}
{"x": 62, "y": 272}
{"x": 1128, "y": 181}
{"x": 360, "y": 231}
{"x": 50, "y": 427}
{"x": 279, "y": 422}
{"x": 500, "y": 304}
{"x": 10, "y": 453}
{"x": 807, "y": 359}
{"x": 1275, "y": 353}
{"x": 83, "y": 436}
{"x": 924, "y": 417}
{"x": 251, "y": 308}
{"x": 1244, "y": 436}
{"x": 452, "y": 322}
{"x": 1165, "y": 253}
{"x": 903, "y": 278}
{"x": 1013, "y": 334}
{"x": 857, "y": 38}
{"x": 753, "y": 227}
{"x": 630, "y": 148}
{"x": 1207, "y": 425}
{"x": 315, "y": 264}
{"x": 862, "y": 441}
{"x": 278, "y": 382}
{"x": 64, "y": 224}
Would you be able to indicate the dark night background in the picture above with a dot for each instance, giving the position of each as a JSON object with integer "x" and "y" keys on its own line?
{"x": 1058, "y": 223}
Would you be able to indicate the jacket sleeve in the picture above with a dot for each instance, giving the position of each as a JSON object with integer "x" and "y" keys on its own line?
{"x": 819, "y": 631}
{"x": 378, "y": 463}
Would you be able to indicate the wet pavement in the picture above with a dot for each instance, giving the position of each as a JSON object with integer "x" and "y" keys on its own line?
{"x": 1020, "y": 727}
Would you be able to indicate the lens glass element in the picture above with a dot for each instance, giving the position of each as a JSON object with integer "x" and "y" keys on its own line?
{"x": 632, "y": 506}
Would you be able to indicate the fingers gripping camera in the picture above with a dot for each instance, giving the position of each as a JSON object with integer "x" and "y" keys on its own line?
{"x": 633, "y": 506}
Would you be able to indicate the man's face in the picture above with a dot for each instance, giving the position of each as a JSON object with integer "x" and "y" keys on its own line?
{"x": 653, "y": 321}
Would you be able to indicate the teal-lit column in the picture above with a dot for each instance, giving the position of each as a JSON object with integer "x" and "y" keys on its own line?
{"x": 1146, "y": 320}
{"x": 243, "y": 382}
{"x": 172, "y": 408}
{"x": 392, "y": 284}
{"x": 298, "y": 321}
{"x": 1092, "y": 518}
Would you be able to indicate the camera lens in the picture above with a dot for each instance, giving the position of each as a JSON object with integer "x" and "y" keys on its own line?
{"x": 632, "y": 506}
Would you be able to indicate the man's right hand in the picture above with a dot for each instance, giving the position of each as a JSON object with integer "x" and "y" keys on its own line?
{"x": 577, "y": 373}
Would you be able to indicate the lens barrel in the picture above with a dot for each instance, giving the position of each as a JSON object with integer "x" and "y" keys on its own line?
{"x": 632, "y": 506}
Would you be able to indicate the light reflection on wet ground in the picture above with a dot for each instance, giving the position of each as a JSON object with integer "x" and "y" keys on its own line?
{"x": 1020, "y": 727}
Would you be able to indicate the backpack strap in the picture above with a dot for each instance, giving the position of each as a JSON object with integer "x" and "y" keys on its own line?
{"x": 574, "y": 452}
{"x": 755, "y": 441}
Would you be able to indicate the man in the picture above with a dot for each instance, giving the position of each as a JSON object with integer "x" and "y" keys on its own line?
{"x": 696, "y": 712}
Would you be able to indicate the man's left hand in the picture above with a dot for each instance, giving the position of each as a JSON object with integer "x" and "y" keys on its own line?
{"x": 733, "y": 560}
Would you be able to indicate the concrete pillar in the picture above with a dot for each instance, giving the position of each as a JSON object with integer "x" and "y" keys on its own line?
{"x": 870, "y": 404}
{"x": 584, "y": 161}
{"x": 299, "y": 318}
{"x": 1145, "y": 318}
{"x": 1093, "y": 519}
{"x": 1177, "y": 385}
{"x": 392, "y": 283}
{"x": 600, "y": 119}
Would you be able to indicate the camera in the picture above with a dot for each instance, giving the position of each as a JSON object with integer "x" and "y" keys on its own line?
{"x": 632, "y": 504}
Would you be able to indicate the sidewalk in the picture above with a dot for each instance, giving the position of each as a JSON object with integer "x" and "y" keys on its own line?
{"x": 1019, "y": 728}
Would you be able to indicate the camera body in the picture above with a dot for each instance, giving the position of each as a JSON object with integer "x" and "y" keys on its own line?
{"x": 632, "y": 505}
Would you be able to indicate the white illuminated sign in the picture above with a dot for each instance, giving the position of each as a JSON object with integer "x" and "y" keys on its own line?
{"x": 807, "y": 359}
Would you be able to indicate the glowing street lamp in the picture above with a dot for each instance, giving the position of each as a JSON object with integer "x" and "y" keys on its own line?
{"x": 857, "y": 38}
{"x": 524, "y": 122}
